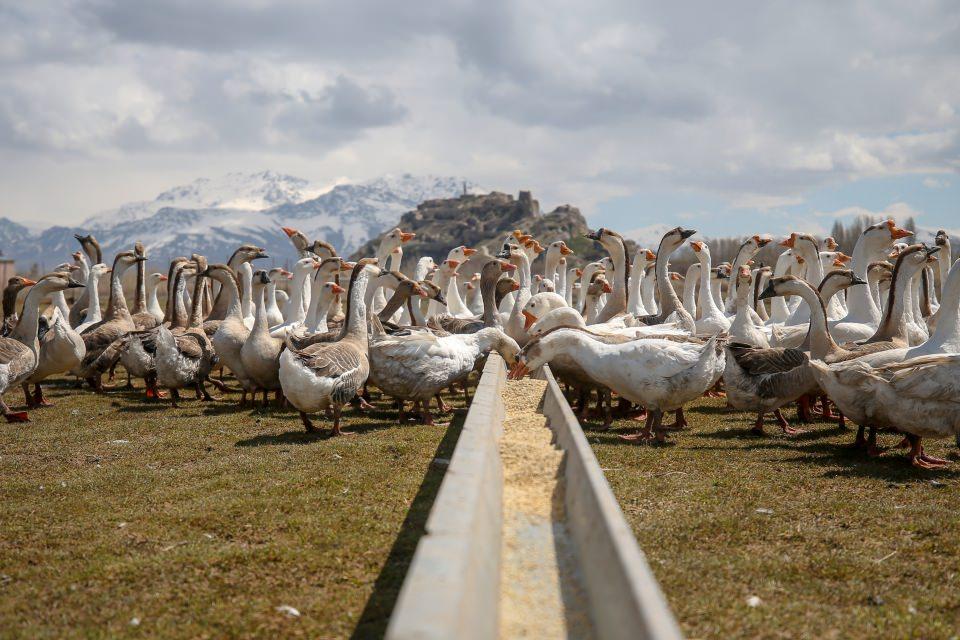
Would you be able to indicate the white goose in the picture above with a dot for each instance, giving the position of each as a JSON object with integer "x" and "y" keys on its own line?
{"x": 296, "y": 312}
{"x": 712, "y": 319}
{"x": 659, "y": 374}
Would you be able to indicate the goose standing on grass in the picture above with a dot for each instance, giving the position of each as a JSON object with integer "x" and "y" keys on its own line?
{"x": 764, "y": 379}
{"x": 260, "y": 353}
{"x": 659, "y": 374}
{"x": 489, "y": 277}
{"x": 244, "y": 253}
{"x": 115, "y": 324}
{"x": 418, "y": 365}
{"x": 61, "y": 350}
{"x": 331, "y": 374}
{"x": 324, "y": 298}
{"x": 20, "y": 351}
{"x": 232, "y": 331}
{"x": 185, "y": 355}
{"x": 919, "y": 397}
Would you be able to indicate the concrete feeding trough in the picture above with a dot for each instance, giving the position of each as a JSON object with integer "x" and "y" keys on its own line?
{"x": 525, "y": 536}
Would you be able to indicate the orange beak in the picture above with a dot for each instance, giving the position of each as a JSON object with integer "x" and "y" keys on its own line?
{"x": 607, "y": 288}
{"x": 407, "y": 237}
{"x": 843, "y": 258}
{"x": 163, "y": 278}
{"x": 896, "y": 233}
{"x": 799, "y": 259}
{"x": 651, "y": 255}
{"x": 524, "y": 238}
{"x": 789, "y": 242}
{"x": 838, "y": 262}
{"x": 347, "y": 266}
{"x": 453, "y": 264}
{"x": 579, "y": 273}
{"x": 337, "y": 289}
{"x": 468, "y": 251}
{"x": 518, "y": 371}
{"x": 528, "y": 319}
{"x": 761, "y": 242}
{"x": 507, "y": 267}
{"x": 565, "y": 250}
{"x": 697, "y": 246}
{"x": 28, "y": 282}
{"x": 290, "y": 231}
{"x": 515, "y": 287}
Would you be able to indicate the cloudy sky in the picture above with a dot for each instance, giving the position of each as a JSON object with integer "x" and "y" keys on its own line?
{"x": 725, "y": 116}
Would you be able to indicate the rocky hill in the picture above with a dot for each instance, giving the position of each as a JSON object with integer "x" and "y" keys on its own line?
{"x": 483, "y": 222}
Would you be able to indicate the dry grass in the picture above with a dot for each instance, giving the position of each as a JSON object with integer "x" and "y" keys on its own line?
{"x": 835, "y": 545}
{"x": 200, "y": 522}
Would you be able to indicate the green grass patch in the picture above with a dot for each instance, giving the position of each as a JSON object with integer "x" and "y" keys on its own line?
{"x": 202, "y": 521}
{"x": 834, "y": 544}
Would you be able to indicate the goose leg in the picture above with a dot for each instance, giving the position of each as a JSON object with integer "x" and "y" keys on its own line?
{"x": 758, "y": 425}
{"x": 38, "y": 399}
{"x": 336, "y": 424}
{"x": 660, "y": 434}
{"x": 425, "y": 414}
{"x": 872, "y": 449}
{"x": 919, "y": 459}
{"x": 680, "y": 422}
{"x": 643, "y": 434}
{"x": 441, "y": 405}
{"x": 13, "y": 416}
{"x": 803, "y": 409}
{"x": 175, "y": 397}
{"x": 307, "y": 423}
{"x": 27, "y": 396}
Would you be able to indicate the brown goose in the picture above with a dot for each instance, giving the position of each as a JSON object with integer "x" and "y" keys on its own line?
{"x": 141, "y": 315}
{"x": 15, "y": 285}
{"x": 184, "y": 353}
{"x": 244, "y": 253}
{"x": 115, "y": 324}
{"x": 489, "y": 278}
{"x": 20, "y": 351}
{"x": 764, "y": 379}
{"x": 329, "y": 375}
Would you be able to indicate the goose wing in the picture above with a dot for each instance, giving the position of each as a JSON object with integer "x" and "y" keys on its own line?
{"x": 17, "y": 356}
{"x": 757, "y": 361}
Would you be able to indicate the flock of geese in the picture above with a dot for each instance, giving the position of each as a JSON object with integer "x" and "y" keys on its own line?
{"x": 874, "y": 335}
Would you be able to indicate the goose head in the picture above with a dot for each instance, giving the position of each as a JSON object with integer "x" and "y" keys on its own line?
{"x": 222, "y": 273}
{"x": 744, "y": 278}
{"x": 250, "y": 252}
{"x": 322, "y": 249}
{"x": 674, "y": 239}
{"x": 432, "y": 292}
{"x": 394, "y": 238}
{"x": 278, "y": 274}
{"x": 493, "y": 269}
{"x": 559, "y": 247}
{"x": 154, "y": 279}
{"x": 720, "y": 272}
{"x": 643, "y": 258}
{"x": 460, "y": 253}
{"x": 448, "y": 268}
{"x": 90, "y": 246}
{"x": 830, "y": 244}
{"x": 297, "y": 237}
{"x": 540, "y": 304}
{"x": 608, "y": 239}
{"x": 881, "y": 235}
{"x": 942, "y": 238}
{"x": 836, "y": 281}
{"x": 53, "y": 282}
{"x": 124, "y": 260}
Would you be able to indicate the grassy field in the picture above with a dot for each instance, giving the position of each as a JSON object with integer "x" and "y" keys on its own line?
{"x": 833, "y": 544}
{"x": 123, "y": 518}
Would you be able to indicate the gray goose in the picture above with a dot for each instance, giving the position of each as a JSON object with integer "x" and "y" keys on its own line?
{"x": 20, "y": 351}
{"x": 330, "y": 374}
{"x": 115, "y": 324}
{"x": 489, "y": 278}
{"x": 15, "y": 285}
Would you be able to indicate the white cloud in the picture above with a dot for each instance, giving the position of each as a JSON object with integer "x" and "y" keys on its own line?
{"x": 580, "y": 102}
{"x": 899, "y": 211}
{"x": 936, "y": 183}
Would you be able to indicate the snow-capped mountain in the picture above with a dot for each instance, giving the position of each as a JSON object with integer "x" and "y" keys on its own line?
{"x": 213, "y": 216}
